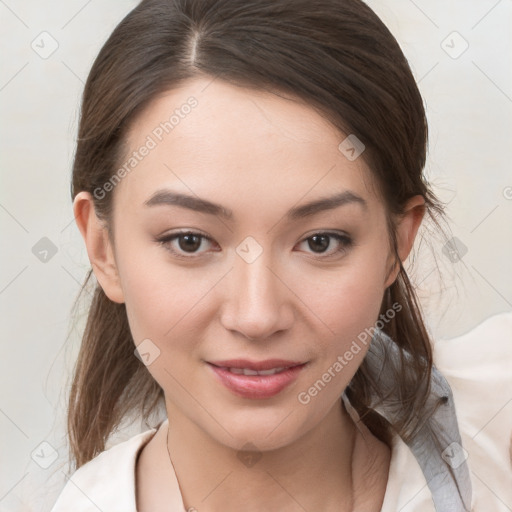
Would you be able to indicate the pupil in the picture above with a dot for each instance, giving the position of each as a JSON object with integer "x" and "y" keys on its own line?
{"x": 323, "y": 242}
{"x": 193, "y": 242}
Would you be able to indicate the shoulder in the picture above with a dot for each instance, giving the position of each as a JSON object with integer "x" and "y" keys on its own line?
{"x": 106, "y": 482}
{"x": 407, "y": 488}
{"x": 478, "y": 367}
{"x": 487, "y": 348}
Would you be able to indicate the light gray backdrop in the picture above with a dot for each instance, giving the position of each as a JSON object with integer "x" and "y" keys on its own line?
{"x": 460, "y": 52}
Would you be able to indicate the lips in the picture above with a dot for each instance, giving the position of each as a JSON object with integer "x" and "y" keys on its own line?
{"x": 248, "y": 371}
{"x": 268, "y": 364}
{"x": 256, "y": 379}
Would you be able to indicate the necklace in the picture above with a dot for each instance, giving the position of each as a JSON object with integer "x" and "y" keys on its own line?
{"x": 172, "y": 465}
{"x": 356, "y": 432}
{"x": 167, "y": 446}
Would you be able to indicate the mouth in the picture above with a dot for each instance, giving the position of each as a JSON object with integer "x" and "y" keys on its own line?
{"x": 248, "y": 371}
{"x": 256, "y": 379}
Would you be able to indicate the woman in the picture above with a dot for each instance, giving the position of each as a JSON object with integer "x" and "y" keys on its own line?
{"x": 248, "y": 182}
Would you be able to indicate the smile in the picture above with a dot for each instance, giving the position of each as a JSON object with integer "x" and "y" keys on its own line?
{"x": 256, "y": 380}
{"x": 248, "y": 371}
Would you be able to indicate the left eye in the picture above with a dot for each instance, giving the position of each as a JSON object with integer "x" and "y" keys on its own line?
{"x": 319, "y": 243}
{"x": 190, "y": 242}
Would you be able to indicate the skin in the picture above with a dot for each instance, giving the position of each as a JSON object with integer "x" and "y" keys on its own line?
{"x": 259, "y": 155}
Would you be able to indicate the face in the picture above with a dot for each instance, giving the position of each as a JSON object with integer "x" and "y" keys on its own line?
{"x": 259, "y": 279}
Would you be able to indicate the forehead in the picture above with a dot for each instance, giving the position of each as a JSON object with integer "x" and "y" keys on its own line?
{"x": 209, "y": 137}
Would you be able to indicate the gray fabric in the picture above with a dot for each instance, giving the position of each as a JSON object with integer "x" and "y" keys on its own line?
{"x": 437, "y": 445}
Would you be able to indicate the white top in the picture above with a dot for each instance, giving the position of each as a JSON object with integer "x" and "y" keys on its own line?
{"x": 478, "y": 367}
{"x": 107, "y": 482}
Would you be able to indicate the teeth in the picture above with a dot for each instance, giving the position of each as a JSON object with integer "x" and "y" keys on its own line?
{"x": 271, "y": 371}
{"x": 247, "y": 371}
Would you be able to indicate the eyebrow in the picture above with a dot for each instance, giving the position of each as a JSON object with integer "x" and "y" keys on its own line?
{"x": 170, "y": 198}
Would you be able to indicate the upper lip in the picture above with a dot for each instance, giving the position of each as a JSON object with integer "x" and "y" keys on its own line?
{"x": 268, "y": 364}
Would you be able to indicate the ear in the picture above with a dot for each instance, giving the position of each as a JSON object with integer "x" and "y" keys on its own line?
{"x": 99, "y": 247}
{"x": 406, "y": 229}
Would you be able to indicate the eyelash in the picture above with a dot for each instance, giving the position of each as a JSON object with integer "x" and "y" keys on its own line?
{"x": 345, "y": 242}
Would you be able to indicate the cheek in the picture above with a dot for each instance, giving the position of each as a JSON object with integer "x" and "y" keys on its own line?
{"x": 346, "y": 300}
{"x": 157, "y": 295}
{"x": 349, "y": 306}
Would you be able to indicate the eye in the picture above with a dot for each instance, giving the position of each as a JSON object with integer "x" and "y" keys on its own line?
{"x": 189, "y": 243}
{"x": 320, "y": 243}
{"x": 185, "y": 242}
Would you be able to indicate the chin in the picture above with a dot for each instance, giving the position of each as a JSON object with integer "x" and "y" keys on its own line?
{"x": 266, "y": 430}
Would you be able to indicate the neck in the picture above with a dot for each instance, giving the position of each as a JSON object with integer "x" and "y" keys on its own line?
{"x": 315, "y": 472}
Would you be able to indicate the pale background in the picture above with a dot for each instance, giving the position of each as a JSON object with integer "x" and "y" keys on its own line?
{"x": 468, "y": 97}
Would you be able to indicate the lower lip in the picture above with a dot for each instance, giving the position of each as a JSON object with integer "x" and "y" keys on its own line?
{"x": 257, "y": 386}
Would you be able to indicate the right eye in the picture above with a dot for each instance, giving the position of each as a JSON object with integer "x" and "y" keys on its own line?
{"x": 184, "y": 242}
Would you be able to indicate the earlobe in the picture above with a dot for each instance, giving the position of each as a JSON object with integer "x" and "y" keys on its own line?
{"x": 99, "y": 247}
{"x": 406, "y": 230}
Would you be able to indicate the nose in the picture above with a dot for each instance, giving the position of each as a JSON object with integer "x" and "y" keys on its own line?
{"x": 258, "y": 303}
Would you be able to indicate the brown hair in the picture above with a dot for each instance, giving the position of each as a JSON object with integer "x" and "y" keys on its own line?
{"x": 335, "y": 55}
